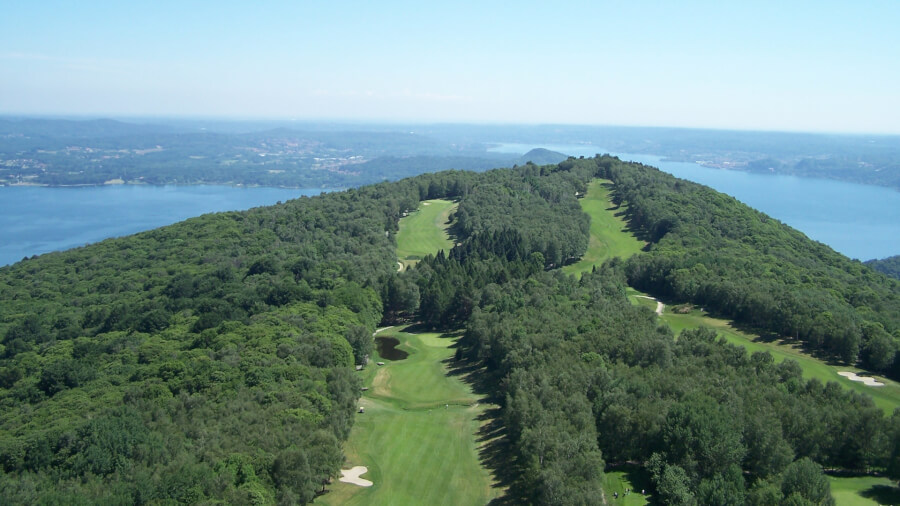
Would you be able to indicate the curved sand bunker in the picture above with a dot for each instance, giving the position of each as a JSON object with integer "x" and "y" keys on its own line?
{"x": 352, "y": 476}
{"x": 865, "y": 380}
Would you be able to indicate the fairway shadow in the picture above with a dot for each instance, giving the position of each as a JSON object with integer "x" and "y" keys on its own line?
{"x": 765, "y": 336}
{"x": 882, "y": 494}
{"x": 494, "y": 449}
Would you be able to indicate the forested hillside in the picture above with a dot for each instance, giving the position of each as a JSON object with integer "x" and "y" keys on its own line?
{"x": 212, "y": 361}
{"x": 889, "y": 266}
{"x": 710, "y": 250}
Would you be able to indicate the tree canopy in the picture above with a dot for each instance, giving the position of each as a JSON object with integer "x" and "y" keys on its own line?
{"x": 212, "y": 360}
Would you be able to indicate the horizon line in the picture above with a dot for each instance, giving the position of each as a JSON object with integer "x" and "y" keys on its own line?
{"x": 124, "y": 118}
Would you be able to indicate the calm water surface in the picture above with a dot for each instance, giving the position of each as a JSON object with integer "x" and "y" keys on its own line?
{"x": 35, "y": 220}
{"x": 860, "y": 221}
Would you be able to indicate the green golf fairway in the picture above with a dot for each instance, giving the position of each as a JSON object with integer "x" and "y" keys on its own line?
{"x": 609, "y": 234}
{"x": 417, "y": 434}
{"x": 886, "y": 397}
{"x": 864, "y": 491}
{"x": 424, "y": 231}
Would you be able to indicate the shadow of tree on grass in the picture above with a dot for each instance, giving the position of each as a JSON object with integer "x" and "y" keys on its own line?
{"x": 494, "y": 449}
{"x": 882, "y": 494}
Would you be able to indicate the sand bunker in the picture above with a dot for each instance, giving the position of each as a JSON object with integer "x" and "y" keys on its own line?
{"x": 352, "y": 476}
{"x": 865, "y": 380}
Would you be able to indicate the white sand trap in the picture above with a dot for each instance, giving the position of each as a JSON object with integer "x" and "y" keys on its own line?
{"x": 351, "y": 476}
{"x": 426, "y": 203}
{"x": 865, "y": 380}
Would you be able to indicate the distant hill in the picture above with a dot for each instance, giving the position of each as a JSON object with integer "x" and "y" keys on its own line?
{"x": 541, "y": 156}
{"x": 77, "y": 129}
{"x": 889, "y": 266}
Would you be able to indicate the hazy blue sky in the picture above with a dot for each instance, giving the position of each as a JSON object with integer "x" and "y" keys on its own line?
{"x": 782, "y": 65}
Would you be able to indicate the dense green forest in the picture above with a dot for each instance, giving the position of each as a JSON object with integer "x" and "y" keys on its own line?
{"x": 889, "y": 266}
{"x": 212, "y": 360}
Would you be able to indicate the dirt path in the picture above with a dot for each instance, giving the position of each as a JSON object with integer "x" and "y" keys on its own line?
{"x": 659, "y": 305}
{"x": 382, "y": 329}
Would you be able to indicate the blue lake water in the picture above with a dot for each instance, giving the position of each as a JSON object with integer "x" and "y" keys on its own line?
{"x": 860, "y": 221}
{"x": 35, "y": 220}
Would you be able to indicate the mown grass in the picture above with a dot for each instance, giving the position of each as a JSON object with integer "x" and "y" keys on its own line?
{"x": 424, "y": 231}
{"x": 609, "y": 231}
{"x": 886, "y": 397}
{"x": 417, "y": 435}
{"x": 627, "y": 478}
{"x": 863, "y": 491}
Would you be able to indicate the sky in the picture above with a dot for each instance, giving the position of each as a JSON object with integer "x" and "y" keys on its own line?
{"x": 781, "y": 65}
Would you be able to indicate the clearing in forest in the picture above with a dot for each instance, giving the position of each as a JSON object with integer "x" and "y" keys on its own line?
{"x": 424, "y": 231}
{"x": 417, "y": 434}
{"x": 610, "y": 236}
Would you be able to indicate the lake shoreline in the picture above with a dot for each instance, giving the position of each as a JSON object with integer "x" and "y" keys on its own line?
{"x": 37, "y": 219}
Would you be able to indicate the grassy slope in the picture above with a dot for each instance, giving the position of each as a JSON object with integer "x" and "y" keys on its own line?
{"x": 864, "y": 491}
{"x": 424, "y": 231}
{"x": 417, "y": 434}
{"x": 609, "y": 234}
